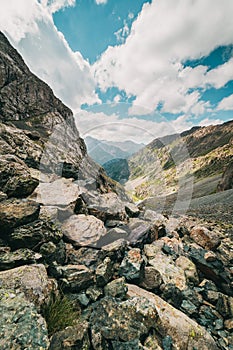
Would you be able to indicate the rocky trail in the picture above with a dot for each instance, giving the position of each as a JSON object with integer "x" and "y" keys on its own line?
{"x": 82, "y": 267}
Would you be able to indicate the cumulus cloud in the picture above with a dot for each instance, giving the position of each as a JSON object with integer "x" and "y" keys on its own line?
{"x": 29, "y": 26}
{"x": 112, "y": 128}
{"x": 207, "y": 121}
{"x": 56, "y": 5}
{"x": 101, "y": 2}
{"x": 226, "y": 104}
{"x": 150, "y": 64}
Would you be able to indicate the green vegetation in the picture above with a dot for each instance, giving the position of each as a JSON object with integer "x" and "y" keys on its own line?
{"x": 59, "y": 313}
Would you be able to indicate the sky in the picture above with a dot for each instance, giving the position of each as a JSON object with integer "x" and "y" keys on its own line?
{"x": 130, "y": 69}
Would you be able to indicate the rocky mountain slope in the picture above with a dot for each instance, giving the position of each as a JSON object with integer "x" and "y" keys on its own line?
{"x": 80, "y": 266}
{"x": 197, "y": 158}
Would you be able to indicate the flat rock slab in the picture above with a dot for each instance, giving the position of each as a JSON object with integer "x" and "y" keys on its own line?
{"x": 184, "y": 332}
{"x": 60, "y": 192}
{"x": 83, "y": 230}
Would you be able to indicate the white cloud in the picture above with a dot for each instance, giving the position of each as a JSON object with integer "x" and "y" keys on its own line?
{"x": 30, "y": 28}
{"x": 226, "y": 104}
{"x": 112, "y": 128}
{"x": 149, "y": 65}
{"x": 207, "y": 121}
{"x": 56, "y": 5}
{"x": 101, "y": 2}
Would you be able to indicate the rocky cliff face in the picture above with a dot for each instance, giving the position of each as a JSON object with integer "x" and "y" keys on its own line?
{"x": 80, "y": 266}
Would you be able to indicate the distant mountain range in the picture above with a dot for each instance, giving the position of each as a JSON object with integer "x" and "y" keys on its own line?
{"x": 103, "y": 151}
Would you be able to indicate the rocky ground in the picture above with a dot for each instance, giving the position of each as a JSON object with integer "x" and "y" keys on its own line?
{"x": 80, "y": 266}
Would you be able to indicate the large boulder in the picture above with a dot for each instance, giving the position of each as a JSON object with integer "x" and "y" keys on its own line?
{"x": 21, "y": 327}
{"x": 16, "y": 212}
{"x": 15, "y": 177}
{"x": 183, "y": 331}
{"x": 106, "y": 206}
{"x": 32, "y": 280}
{"x": 83, "y": 230}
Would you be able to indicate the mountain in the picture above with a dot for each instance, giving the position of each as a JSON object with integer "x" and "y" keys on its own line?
{"x": 117, "y": 169}
{"x": 104, "y": 151}
{"x": 166, "y": 165}
{"x": 81, "y": 267}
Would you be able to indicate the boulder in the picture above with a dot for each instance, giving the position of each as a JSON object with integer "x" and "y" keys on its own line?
{"x": 141, "y": 231}
{"x": 61, "y": 192}
{"x": 165, "y": 265}
{"x": 32, "y": 280}
{"x": 74, "y": 278}
{"x": 35, "y": 234}
{"x": 19, "y": 257}
{"x": 184, "y": 332}
{"x": 132, "y": 265}
{"x": 106, "y": 206}
{"x": 83, "y": 230}
{"x": 151, "y": 278}
{"x": 104, "y": 272}
{"x": 21, "y": 327}
{"x": 189, "y": 269}
{"x": 89, "y": 257}
{"x": 16, "y": 212}
{"x": 123, "y": 320}
{"x": 205, "y": 238}
{"x": 15, "y": 177}
{"x": 116, "y": 288}
{"x": 72, "y": 337}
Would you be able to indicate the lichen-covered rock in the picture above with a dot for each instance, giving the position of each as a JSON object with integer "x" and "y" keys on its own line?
{"x": 73, "y": 337}
{"x": 15, "y": 177}
{"x": 104, "y": 272}
{"x": 205, "y": 238}
{"x": 32, "y": 280}
{"x": 24, "y": 256}
{"x": 123, "y": 321}
{"x": 132, "y": 265}
{"x": 116, "y": 288}
{"x": 16, "y": 212}
{"x": 21, "y": 327}
{"x": 189, "y": 268}
{"x": 33, "y": 235}
{"x": 151, "y": 278}
{"x": 184, "y": 332}
{"x": 74, "y": 277}
{"x": 83, "y": 230}
{"x": 165, "y": 265}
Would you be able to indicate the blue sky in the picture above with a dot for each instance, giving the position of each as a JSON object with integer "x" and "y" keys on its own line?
{"x": 130, "y": 69}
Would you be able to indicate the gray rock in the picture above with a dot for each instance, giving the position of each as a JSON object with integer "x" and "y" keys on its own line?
{"x": 89, "y": 257}
{"x": 123, "y": 321}
{"x": 106, "y": 206}
{"x": 132, "y": 265}
{"x": 24, "y": 256}
{"x": 116, "y": 249}
{"x": 133, "y": 344}
{"x": 132, "y": 210}
{"x": 151, "y": 278}
{"x": 116, "y": 288}
{"x": 94, "y": 292}
{"x": 33, "y": 235}
{"x": 114, "y": 234}
{"x": 141, "y": 231}
{"x": 104, "y": 272}
{"x": 16, "y": 212}
{"x": 75, "y": 337}
{"x": 75, "y": 277}
{"x": 82, "y": 230}
{"x": 185, "y": 333}
{"x": 188, "y": 307}
{"x": 32, "y": 280}
{"x": 21, "y": 327}
{"x": 15, "y": 177}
